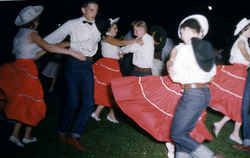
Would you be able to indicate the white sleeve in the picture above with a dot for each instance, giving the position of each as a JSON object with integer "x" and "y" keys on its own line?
{"x": 60, "y": 34}
{"x": 132, "y": 48}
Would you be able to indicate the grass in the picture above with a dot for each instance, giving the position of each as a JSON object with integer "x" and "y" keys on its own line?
{"x": 106, "y": 140}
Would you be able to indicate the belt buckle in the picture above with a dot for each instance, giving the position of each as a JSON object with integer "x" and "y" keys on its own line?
{"x": 193, "y": 86}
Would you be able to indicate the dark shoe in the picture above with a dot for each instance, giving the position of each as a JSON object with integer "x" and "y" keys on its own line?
{"x": 62, "y": 138}
{"x": 218, "y": 156}
{"x": 76, "y": 143}
{"x": 241, "y": 147}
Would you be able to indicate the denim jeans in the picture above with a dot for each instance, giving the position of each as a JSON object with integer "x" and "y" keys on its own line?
{"x": 80, "y": 96}
{"x": 246, "y": 112}
{"x": 188, "y": 111}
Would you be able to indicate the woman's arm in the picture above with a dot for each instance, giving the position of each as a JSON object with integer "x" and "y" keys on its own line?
{"x": 243, "y": 50}
{"x": 118, "y": 42}
{"x": 54, "y": 48}
{"x": 42, "y": 52}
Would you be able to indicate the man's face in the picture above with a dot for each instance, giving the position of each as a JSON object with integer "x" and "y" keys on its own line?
{"x": 188, "y": 33}
{"x": 139, "y": 31}
{"x": 90, "y": 11}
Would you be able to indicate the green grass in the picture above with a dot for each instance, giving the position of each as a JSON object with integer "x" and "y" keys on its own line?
{"x": 106, "y": 140}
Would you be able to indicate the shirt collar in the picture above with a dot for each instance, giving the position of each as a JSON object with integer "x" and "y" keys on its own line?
{"x": 84, "y": 19}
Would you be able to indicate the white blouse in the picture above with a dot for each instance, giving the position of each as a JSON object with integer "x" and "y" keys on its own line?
{"x": 110, "y": 51}
{"x": 185, "y": 69}
{"x": 236, "y": 55}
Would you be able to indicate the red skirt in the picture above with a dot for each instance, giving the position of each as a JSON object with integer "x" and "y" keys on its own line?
{"x": 151, "y": 101}
{"x": 22, "y": 86}
{"x": 105, "y": 70}
{"x": 227, "y": 90}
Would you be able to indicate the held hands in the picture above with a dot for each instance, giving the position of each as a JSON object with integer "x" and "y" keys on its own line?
{"x": 139, "y": 41}
{"x": 78, "y": 55}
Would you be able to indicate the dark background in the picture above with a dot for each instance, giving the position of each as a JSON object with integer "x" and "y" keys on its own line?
{"x": 222, "y": 19}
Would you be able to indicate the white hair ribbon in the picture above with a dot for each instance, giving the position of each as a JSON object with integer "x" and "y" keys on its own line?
{"x": 112, "y": 21}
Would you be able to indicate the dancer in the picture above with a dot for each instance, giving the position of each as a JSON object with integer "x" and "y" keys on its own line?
{"x": 227, "y": 97}
{"x": 108, "y": 68}
{"x": 84, "y": 36}
{"x": 195, "y": 57}
{"x": 243, "y": 29}
{"x": 20, "y": 79}
{"x": 143, "y": 55}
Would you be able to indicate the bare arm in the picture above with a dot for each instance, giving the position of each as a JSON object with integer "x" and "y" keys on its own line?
{"x": 243, "y": 50}
{"x": 42, "y": 52}
{"x": 118, "y": 42}
{"x": 53, "y": 48}
{"x": 171, "y": 59}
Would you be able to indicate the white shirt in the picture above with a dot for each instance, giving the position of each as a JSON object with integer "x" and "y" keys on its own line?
{"x": 157, "y": 68}
{"x": 236, "y": 55}
{"x": 83, "y": 36}
{"x": 143, "y": 54}
{"x": 110, "y": 51}
{"x": 185, "y": 69}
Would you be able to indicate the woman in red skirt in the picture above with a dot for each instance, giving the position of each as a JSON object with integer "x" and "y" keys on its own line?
{"x": 228, "y": 85}
{"x": 108, "y": 68}
{"x": 20, "y": 79}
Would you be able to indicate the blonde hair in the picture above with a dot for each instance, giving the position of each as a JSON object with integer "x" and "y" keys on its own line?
{"x": 141, "y": 23}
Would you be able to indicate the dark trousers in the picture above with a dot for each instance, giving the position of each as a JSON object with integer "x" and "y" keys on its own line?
{"x": 140, "y": 73}
{"x": 188, "y": 111}
{"x": 246, "y": 111}
{"x": 126, "y": 64}
{"x": 79, "y": 98}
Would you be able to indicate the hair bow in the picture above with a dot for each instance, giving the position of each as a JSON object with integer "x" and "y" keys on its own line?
{"x": 112, "y": 21}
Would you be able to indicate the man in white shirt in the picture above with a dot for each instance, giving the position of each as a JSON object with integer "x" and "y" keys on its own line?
{"x": 84, "y": 37}
{"x": 191, "y": 64}
{"x": 143, "y": 55}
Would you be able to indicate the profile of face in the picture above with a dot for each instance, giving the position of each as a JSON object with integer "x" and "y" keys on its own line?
{"x": 113, "y": 30}
{"x": 247, "y": 32}
{"x": 139, "y": 31}
{"x": 90, "y": 11}
{"x": 36, "y": 24}
{"x": 188, "y": 33}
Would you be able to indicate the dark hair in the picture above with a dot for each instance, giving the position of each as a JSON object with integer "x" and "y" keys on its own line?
{"x": 160, "y": 35}
{"x": 31, "y": 25}
{"x": 103, "y": 25}
{"x": 245, "y": 28}
{"x": 85, "y": 3}
{"x": 193, "y": 24}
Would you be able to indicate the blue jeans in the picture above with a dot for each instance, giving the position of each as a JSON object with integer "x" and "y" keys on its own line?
{"x": 188, "y": 111}
{"x": 246, "y": 112}
{"x": 80, "y": 96}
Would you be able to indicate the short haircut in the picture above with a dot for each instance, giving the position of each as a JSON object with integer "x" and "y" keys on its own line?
{"x": 141, "y": 23}
{"x": 85, "y": 3}
{"x": 193, "y": 24}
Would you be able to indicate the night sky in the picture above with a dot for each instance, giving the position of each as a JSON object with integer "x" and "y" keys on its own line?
{"x": 222, "y": 18}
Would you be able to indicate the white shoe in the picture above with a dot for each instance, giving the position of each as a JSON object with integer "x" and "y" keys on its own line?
{"x": 93, "y": 115}
{"x": 112, "y": 120}
{"x": 235, "y": 139}
{"x": 27, "y": 141}
{"x": 16, "y": 141}
{"x": 171, "y": 149}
